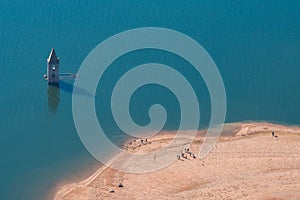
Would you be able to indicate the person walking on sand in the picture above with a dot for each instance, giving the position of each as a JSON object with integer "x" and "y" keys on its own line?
{"x": 273, "y": 134}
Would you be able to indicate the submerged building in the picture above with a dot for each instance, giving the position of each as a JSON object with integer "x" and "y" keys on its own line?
{"x": 52, "y": 75}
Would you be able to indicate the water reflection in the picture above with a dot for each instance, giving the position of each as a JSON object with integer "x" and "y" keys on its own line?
{"x": 53, "y": 93}
{"x": 68, "y": 87}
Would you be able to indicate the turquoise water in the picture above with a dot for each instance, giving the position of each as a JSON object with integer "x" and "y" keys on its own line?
{"x": 256, "y": 46}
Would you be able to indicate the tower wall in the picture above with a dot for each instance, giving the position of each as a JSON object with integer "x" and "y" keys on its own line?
{"x": 53, "y": 72}
{"x": 53, "y": 68}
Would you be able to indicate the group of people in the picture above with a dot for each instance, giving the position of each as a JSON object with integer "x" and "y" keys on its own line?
{"x": 185, "y": 153}
{"x": 144, "y": 141}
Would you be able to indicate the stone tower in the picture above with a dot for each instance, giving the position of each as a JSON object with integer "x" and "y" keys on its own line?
{"x": 53, "y": 68}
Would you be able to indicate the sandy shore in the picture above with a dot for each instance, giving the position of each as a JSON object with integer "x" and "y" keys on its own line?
{"x": 246, "y": 163}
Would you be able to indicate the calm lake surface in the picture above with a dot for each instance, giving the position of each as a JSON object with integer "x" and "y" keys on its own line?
{"x": 255, "y": 44}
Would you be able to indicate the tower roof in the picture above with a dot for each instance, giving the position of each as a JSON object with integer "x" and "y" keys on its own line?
{"x": 52, "y": 57}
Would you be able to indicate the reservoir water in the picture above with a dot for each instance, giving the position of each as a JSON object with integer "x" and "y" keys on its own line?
{"x": 255, "y": 44}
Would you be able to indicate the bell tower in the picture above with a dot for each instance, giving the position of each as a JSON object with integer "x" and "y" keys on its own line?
{"x": 53, "y": 68}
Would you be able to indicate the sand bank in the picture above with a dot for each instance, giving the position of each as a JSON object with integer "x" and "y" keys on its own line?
{"x": 246, "y": 163}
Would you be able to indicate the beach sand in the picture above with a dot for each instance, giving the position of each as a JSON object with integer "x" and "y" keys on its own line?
{"x": 246, "y": 163}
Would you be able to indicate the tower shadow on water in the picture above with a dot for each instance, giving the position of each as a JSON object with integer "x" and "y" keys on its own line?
{"x": 53, "y": 93}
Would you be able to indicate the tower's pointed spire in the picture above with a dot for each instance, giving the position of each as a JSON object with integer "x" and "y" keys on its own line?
{"x": 52, "y": 57}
